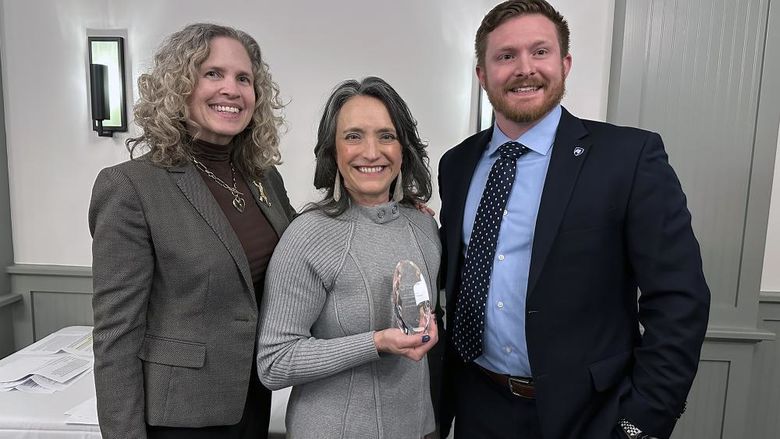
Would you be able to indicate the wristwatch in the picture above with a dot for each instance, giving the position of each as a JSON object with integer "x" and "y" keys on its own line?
{"x": 632, "y": 431}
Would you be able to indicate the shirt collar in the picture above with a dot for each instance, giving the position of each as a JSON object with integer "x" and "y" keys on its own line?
{"x": 539, "y": 138}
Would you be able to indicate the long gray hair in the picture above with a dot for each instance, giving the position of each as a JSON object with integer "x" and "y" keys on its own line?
{"x": 414, "y": 168}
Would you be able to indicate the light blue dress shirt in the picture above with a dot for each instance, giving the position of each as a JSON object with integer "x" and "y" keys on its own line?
{"x": 505, "y": 349}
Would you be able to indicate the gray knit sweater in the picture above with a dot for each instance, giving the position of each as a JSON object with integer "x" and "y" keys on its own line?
{"x": 328, "y": 288}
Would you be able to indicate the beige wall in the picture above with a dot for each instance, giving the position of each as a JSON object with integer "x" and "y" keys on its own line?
{"x": 423, "y": 48}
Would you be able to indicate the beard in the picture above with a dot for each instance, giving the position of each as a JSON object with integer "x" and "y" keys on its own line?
{"x": 523, "y": 113}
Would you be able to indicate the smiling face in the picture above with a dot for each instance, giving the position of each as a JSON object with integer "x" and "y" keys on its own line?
{"x": 523, "y": 72}
{"x": 223, "y": 101}
{"x": 368, "y": 153}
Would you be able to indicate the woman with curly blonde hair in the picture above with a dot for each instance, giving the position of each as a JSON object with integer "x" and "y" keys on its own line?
{"x": 182, "y": 235}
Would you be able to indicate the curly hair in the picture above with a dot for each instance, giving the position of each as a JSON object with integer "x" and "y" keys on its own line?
{"x": 161, "y": 111}
{"x": 416, "y": 177}
{"x": 516, "y": 8}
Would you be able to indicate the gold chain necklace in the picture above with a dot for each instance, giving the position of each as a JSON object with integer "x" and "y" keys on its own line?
{"x": 238, "y": 197}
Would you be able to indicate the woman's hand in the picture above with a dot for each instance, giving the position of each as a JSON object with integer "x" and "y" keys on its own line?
{"x": 414, "y": 347}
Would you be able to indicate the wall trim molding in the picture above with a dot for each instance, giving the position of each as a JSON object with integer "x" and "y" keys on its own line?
{"x": 49, "y": 270}
{"x": 714, "y": 333}
{"x": 9, "y": 299}
{"x": 50, "y": 295}
{"x": 738, "y": 335}
{"x": 769, "y": 297}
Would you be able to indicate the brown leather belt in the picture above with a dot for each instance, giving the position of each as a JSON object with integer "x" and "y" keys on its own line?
{"x": 518, "y": 386}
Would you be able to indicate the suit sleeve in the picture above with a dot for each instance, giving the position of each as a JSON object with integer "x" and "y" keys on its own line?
{"x": 442, "y": 237}
{"x": 122, "y": 267}
{"x": 444, "y": 389}
{"x": 674, "y": 299}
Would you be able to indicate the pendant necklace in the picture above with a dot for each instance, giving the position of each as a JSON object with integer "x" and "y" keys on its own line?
{"x": 238, "y": 197}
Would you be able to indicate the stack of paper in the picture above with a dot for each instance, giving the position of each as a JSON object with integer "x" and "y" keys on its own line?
{"x": 51, "y": 364}
{"x": 75, "y": 340}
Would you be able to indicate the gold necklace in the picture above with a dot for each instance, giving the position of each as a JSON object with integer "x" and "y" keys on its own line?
{"x": 238, "y": 197}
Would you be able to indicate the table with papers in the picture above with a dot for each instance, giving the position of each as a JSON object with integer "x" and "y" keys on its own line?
{"x": 58, "y": 399}
{"x": 55, "y": 410}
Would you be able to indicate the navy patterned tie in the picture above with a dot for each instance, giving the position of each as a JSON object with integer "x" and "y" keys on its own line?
{"x": 470, "y": 306}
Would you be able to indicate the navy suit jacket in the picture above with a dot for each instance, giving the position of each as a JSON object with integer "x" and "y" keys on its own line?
{"x": 612, "y": 219}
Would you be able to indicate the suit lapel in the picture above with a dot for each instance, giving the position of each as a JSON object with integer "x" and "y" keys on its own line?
{"x": 191, "y": 184}
{"x": 562, "y": 175}
{"x": 458, "y": 186}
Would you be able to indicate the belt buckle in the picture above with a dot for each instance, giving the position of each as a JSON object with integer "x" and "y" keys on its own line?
{"x": 516, "y": 380}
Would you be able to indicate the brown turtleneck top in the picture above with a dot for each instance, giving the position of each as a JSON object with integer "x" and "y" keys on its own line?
{"x": 253, "y": 230}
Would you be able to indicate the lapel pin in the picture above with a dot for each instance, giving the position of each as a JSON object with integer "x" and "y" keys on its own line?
{"x": 578, "y": 150}
{"x": 261, "y": 192}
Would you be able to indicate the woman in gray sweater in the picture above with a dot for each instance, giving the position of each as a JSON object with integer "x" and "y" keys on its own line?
{"x": 326, "y": 317}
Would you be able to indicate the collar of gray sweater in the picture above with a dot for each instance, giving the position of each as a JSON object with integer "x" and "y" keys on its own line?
{"x": 379, "y": 214}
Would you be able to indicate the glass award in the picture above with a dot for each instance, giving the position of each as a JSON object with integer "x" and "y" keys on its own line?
{"x": 411, "y": 299}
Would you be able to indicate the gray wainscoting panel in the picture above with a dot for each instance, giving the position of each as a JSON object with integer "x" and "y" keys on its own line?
{"x": 7, "y": 302}
{"x": 63, "y": 294}
{"x": 706, "y": 402}
{"x": 718, "y": 402}
{"x": 6, "y": 332}
{"x": 704, "y": 74}
{"x": 718, "y": 406}
{"x": 55, "y": 310}
{"x": 764, "y": 418}
{"x": 695, "y": 71}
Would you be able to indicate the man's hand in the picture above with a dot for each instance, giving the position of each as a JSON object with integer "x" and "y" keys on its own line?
{"x": 422, "y": 207}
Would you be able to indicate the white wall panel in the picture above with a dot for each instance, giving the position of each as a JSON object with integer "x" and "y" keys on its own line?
{"x": 423, "y": 48}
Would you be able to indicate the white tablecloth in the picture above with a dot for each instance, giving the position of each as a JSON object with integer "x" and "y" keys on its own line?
{"x": 42, "y": 416}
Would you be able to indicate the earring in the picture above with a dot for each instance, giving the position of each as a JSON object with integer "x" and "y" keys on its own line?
{"x": 337, "y": 188}
{"x": 398, "y": 192}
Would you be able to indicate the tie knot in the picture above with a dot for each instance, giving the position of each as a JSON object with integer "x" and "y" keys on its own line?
{"x": 512, "y": 150}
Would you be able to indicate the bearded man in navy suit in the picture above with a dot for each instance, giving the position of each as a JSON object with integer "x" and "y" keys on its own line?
{"x": 544, "y": 315}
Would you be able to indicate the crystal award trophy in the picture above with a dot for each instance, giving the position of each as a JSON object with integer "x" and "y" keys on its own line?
{"x": 411, "y": 300}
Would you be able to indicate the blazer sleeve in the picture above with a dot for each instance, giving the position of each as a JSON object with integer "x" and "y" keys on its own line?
{"x": 674, "y": 299}
{"x": 122, "y": 267}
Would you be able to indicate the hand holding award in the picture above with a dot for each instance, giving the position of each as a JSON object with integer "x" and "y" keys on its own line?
{"x": 411, "y": 299}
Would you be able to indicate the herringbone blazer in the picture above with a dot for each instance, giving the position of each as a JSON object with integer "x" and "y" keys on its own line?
{"x": 174, "y": 305}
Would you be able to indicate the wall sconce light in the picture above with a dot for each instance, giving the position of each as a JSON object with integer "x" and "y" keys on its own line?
{"x": 107, "y": 85}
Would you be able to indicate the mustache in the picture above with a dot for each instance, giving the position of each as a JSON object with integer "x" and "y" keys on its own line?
{"x": 524, "y": 83}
